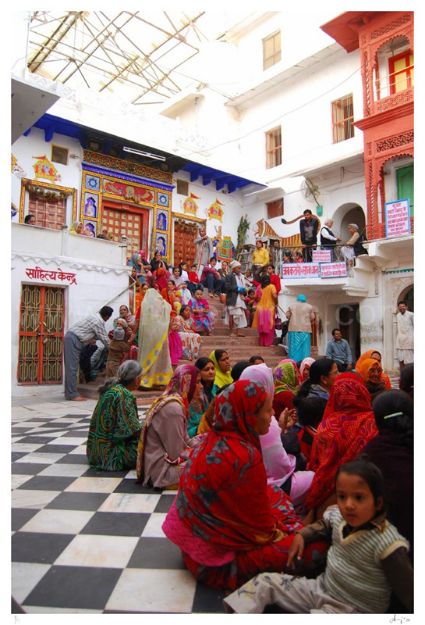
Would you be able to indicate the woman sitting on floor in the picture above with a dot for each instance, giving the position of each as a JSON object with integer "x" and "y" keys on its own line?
{"x": 191, "y": 341}
{"x": 164, "y": 443}
{"x": 227, "y": 521}
{"x": 286, "y": 385}
{"x": 223, "y": 370}
{"x": 305, "y": 368}
{"x": 371, "y": 373}
{"x": 375, "y": 355}
{"x": 348, "y": 424}
{"x": 114, "y": 426}
{"x": 204, "y": 394}
{"x": 201, "y": 313}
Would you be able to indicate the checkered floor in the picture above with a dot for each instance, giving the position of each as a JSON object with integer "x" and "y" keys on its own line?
{"x": 84, "y": 540}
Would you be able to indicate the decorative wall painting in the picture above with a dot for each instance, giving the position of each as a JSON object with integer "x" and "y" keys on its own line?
{"x": 90, "y": 205}
{"x": 215, "y": 210}
{"x": 225, "y": 249}
{"x": 189, "y": 205}
{"x": 90, "y": 227}
{"x": 161, "y": 243}
{"x": 92, "y": 182}
{"x": 163, "y": 199}
{"x": 44, "y": 168}
{"x": 162, "y": 220}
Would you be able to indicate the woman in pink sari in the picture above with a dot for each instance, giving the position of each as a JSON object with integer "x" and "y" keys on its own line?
{"x": 265, "y": 313}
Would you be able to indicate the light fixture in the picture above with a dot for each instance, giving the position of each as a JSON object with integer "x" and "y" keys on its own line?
{"x": 157, "y": 157}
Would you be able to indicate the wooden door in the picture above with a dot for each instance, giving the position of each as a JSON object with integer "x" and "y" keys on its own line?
{"x": 185, "y": 233}
{"x": 41, "y": 329}
{"x": 123, "y": 220}
{"x": 48, "y": 214}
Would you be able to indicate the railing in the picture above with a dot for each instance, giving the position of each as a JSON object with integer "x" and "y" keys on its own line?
{"x": 294, "y": 254}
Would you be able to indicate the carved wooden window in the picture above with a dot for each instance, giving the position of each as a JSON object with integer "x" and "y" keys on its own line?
{"x": 49, "y": 211}
{"x": 273, "y": 148}
{"x": 342, "y": 119}
{"x": 271, "y": 50}
{"x": 401, "y": 69}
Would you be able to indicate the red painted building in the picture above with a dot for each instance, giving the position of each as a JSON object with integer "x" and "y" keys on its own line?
{"x": 385, "y": 41}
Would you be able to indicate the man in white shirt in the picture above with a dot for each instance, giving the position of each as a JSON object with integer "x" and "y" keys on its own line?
{"x": 327, "y": 238}
{"x": 404, "y": 340}
{"x": 82, "y": 333}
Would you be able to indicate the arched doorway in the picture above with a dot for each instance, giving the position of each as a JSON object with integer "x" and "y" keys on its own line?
{"x": 407, "y": 295}
{"x": 348, "y": 213}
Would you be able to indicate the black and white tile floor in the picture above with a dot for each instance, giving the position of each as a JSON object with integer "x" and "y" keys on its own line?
{"x": 85, "y": 541}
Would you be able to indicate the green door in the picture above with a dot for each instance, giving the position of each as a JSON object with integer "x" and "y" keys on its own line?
{"x": 405, "y": 184}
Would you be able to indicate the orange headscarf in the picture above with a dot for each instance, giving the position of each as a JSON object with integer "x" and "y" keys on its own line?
{"x": 364, "y": 364}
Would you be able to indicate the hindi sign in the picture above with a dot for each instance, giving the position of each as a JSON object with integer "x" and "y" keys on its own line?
{"x": 397, "y": 218}
{"x": 333, "y": 270}
{"x": 322, "y": 256}
{"x": 295, "y": 271}
{"x": 37, "y": 273}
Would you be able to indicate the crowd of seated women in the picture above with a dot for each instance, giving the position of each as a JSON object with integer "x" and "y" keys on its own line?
{"x": 259, "y": 458}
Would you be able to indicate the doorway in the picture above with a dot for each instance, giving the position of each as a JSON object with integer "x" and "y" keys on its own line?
{"x": 123, "y": 220}
{"x": 41, "y": 325}
{"x": 348, "y": 320}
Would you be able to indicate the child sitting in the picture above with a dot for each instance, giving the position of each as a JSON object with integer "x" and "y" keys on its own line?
{"x": 118, "y": 352}
{"x": 367, "y": 558}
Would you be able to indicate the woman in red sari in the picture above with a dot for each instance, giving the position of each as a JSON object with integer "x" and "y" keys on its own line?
{"x": 227, "y": 521}
{"x": 347, "y": 425}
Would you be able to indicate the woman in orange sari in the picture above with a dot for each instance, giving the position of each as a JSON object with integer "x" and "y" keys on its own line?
{"x": 265, "y": 312}
{"x": 373, "y": 353}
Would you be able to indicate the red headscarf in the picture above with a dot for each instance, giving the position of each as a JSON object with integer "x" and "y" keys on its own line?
{"x": 347, "y": 425}
{"x": 223, "y": 497}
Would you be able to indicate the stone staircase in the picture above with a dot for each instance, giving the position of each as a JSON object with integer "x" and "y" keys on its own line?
{"x": 239, "y": 348}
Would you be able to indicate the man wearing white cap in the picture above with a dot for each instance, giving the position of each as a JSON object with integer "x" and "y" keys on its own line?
{"x": 235, "y": 305}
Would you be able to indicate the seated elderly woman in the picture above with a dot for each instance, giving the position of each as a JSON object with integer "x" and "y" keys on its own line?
{"x": 370, "y": 371}
{"x": 228, "y": 522}
{"x": 114, "y": 426}
{"x": 164, "y": 443}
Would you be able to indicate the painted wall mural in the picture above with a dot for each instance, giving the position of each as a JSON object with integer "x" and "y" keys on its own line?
{"x": 215, "y": 210}
{"x": 43, "y": 168}
{"x": 190, "y": 206}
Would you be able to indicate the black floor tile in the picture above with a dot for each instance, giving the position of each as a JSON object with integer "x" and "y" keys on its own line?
{"x": 20, "y": 516}
{"x": 80, "y": 587}
{"x": 165, "y": 503}
{"x": 116, "y": 524}
{"x": 95, "y": 473}
{"x": 36, "y": 439}
{"x": 77, "y": 501}
{"x": 156, "y": 553}
{"x": 27, "y": 468}
{"x": 38, "y": 547}
{"x": 77, "y": 432}
{"x": 74, "y": 459}
{"x": 131, "y": 486}
{"x": 207, "y": 600}
{"x": 75, "y": 416}
{"x": 48, "y": 482}
{"x": 56, "y": 449}
{"x": 18, "y": 454}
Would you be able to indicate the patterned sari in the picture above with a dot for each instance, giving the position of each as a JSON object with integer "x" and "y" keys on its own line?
{"x": 114, "y": 431}
{"x": 264, "y": 315}
{"x": 154, "y": 353}
{"x": 227, "y": 521}
{"x": 347, "y": 425}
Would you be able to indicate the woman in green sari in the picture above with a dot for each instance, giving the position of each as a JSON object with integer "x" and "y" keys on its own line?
{"x": 115, "y": 426}
{"x": 154, "y": 353}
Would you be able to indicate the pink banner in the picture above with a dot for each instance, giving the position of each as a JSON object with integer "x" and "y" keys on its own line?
{"x": 333, "y": 270}
{"x": 295, "y": 271}
{"x": 322, "y": 256}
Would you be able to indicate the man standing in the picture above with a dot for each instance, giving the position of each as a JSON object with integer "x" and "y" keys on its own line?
{"x": 235, "y": 305}
{"x": 309, "y": 227}
{"x": 339, "y": 350}
{"x": 204, "y": 250}
{"x": 404, "y": 341}
{"x": 83, "y": 332}
{"x": 327, "y": 238}
{"x": 300, "y": 315}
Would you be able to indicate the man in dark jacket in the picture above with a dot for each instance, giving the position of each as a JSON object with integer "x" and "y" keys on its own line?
{"x": 309, "y": 227}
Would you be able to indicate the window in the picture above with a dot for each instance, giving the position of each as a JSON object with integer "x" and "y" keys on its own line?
{"x": 182, "y": 187}
{"x": 274, "y": 209}
{"x": 404, "y": 177}
{"x": 342, "y": 119}
{"x": 271, "y": 50}
{"x": 273, "y": 148}
{"x": 401, "y": 72}
{"x": 59, "y": 155}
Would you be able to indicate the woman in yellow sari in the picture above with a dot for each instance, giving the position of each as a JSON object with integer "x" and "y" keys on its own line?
{"x": 154, "y": 353}
{"x": 265, "y": 312}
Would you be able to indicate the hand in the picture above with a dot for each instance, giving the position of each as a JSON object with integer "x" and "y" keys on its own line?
{"x": 287, "y": 419}
{"x": 296, "y": 551}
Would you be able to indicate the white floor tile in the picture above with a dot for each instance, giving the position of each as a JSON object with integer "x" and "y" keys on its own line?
{"x": 69, "y": 440}
{"x": 35, "y": 609}
{"x": 41, "y": 458}
{"x": 94, "y": 485}
{"x": 153, "y": 590}
{"x": 96, "y": 550}
{"x": 25, "y": 576}
{"x": 58, "y": 521}
{"x": 18, "y": 480}
{"x": 153, "y": 527}
{"x": 81, "y": 449}
{"x": 128, "y": 502}
{"x": 20, "y": 447}
{"x": 65, "y": 470}
{"x": 32, "y": 498}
